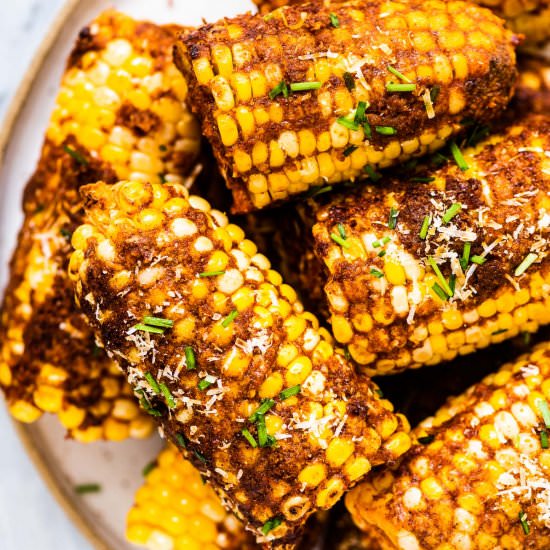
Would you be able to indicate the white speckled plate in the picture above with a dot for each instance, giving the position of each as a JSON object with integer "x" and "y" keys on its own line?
{"x": 63, "y": 464}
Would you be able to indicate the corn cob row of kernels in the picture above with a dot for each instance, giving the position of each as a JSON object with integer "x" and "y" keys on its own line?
{"x": 176, "y": 510}
{"x": 224, "y": 355}
{"x": 418, "y": 274}
{"x": 119, "y": 112}
{"x": 319, "y": 94}
{"x": 479, "y": 476}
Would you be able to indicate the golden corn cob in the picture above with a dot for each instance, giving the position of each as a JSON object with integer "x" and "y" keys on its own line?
{"x": 418, "y": 274}
{"x": 119, "y": 113}
{"x": 479, "y": 476}
{"x": 533, "y": 91}
{"x": 176, "y": 510}
{"x": 318, "y": 94}
{"x": 224, "y": 355}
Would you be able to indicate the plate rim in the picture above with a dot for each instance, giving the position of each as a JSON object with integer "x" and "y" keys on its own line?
{"x": 9, "y": 121}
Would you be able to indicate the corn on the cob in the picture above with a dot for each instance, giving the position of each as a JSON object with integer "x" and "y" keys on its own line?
{"x": 223, "y": 353}
{"x": 533, "y": 91}
{"x": 319, "y": 94}
{"x": 478, "y": 478}
{"x": 176, "y": 510}
{"x": 119, "y": 113}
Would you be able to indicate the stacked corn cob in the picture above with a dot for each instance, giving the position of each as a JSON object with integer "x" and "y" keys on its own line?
{"x": 119, "y": 113}
{"x": 223, "y": 354}
{"x": 478, "y": 476}
{"x": 317, "y": 94}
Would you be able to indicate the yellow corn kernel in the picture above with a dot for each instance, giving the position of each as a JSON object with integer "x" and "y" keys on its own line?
{"x": 298, "y": 370}
{"x": 271, "y": 386}
{"x": 228, "y": 130}
{"x": 338, "y": 451}
{"x": 313, "y": 474}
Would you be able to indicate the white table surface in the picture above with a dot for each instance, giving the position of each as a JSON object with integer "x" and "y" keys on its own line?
{"x": 30, "y": 519}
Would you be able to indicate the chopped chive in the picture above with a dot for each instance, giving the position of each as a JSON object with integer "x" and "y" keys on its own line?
{"x": 386, "y": 130}
{"x": 524, "y": 524}
{"x": 162, "y": 178}
{"x": 391, "y": 87}
{"x": 342, "y": 231}
{"x": 163, "y": 148}
{"x": 200, "y": 456}
{"x": 371, "y": 173}
{"x": 442, "y": 280}
{"x": 434, "y": 93}
{"x": 381, "y": 242}
{"x": 261, "y": 410}
{"x": 499, "y": 331}
{"x": 65, "y": 233}
{"x": 144, "y": 402}
{"x": 465, "y": 260}
{"x": 271, "y": 524}
{"x": 440, "y": 292}
{"x": 204, "y": 383}
{"x": 304, "y": 86}
{"x": 334, "y": 21}
{"x": 152, "y": 382}
{"x": 526, "y": 338}
{"x": 479, "y": 260}
{"x": 148, "y": 468}
{"x": 249, "y": 437}
{"x": 230, "y": 318}
{"x": 271, "y": 441}
{"x": 425, "y": 227}
{"x": 542, "y": 406}
{"x": 381, "y": 254}
{"x": 339, "y": 240}
{"x": 367, "y": 129}
{"x": 378, "y": 274}
{"x": 544, "y": 439}
{"x": 158, "y": 322}
{"x": 96, "y": 351}
{"x": 379, "y": 393}
{"x": 457, "y": 155}
{"x": 147, "y": 328}
{"x": 168, "y": 396}
{"x": 421, "y": 179}
{"x": 438, "y": 159}
{"x": 426, "y": 440}
{"x": 262, "y": 431}
{"x": 211, "y": 273}
{"x": 349, "y": 81}
{"x": 392, "y": 220}
{"x": 349, "y": 150}
{"x": 452, "y": 283}
{"x": 190, "y": 360}
{"x": 290, "y": 392}
{"x": 347, "y": 123}
{"x": 347, "y": 354}
{"x": 396, "y": 73}
{"x": 318, "y": 190}
{"x": 451, "y": 212}
{"x": 86, "y": 488}
{"x": 75, "y": 155}
{"x": 281, "y": 88}
{"x": 360, "y": 112}
{"x": 525, "y": 264}
{"x": 180, "y": 440}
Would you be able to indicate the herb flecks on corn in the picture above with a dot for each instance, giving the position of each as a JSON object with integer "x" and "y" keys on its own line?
{"x": 120, "y": 112}
{"x": 138, "y": 255}
{"x": 273, "y": 143}
{"x": 483, "y": 479}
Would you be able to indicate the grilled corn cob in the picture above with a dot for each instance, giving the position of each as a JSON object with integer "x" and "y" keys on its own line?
{"x": 224, "y": 355}
{"x": 479, "y": 476}
{"x": 119, "y": 113}
{"x": 319, "y": 94}
{"x": 533, "y": 91}
{"x": 176, "y": 510}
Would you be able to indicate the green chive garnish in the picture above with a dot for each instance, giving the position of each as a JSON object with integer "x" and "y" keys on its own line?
{"x": 396, "y": 73}
{"x": 421, "y": 179}
{"x": 168, "y": 396}
{"x": 180, "y": 439}
{"x": 347, "y": 123}
{"x": 158, "y": 322}
{"x": 342, "y": 231}
{"x": 152, "y": 382}
{"x": 382, "y": 242}
{"x": 426, "y": 440}
{"x": 144, "y": 402}
{"x": 438, "y": 159}
{"x": 386, "y": 130}
{"x": 523, "y": 520}
{"x": 230, "y": 318}
{"x": 163, "y": 148}
{"x": 451, "y": 212}
{"x": 479, "y": 260}
{"x": 339, "y": 240}
{"x": 249, "y": 437}
{"x": 261, "y": 410}
{"x": 452, "y": 283}
{"x": 86, "y": 488}
{"x": 318, "y": 190}
{"x": 442, "y": 280}
{"x": 147, "y": 328}
{"x": 526, "y": 264}
{"x": 271, "y": 524}
{"x": 75, "y": 155}
{"x": 281, "y": 88}
{"x": 434, "y": 92}
{"x": 373, "y": 175}
{"x": 148, "y": 468}
{"x": 457, "y": 155}
{"x": 190, "y": 360}
{"x": 499, "y": 331}
{"x": 262, "y": 431}
{"x": 378, "y": 274}
{"x": 381, "y": 254}
{"x": 391, "y": 87}
{"x": 360, "y": 112}
{"x": 465, "y": 260}
{"x": 544, "y": 439}
{"x": 304, "y": 86}
{"x": 349, "y": 150}
{"x": 349, "y": 81}
{"x": 290, "y": 392}
{"x": 440, "y": 292}
{"x": 334, "y": 21}
{"x": 425, "y": 227}
{"x": 392, "y": 220}
{"x": 162, "y": 178}
{"x": 379, "y": 393}
{"x": 211, "y": 273}
{"x": 200, "y": 456}
{"x": 65, "y": 233}
{"x": 542, "y": 406}
{"x": 367, "y": 129}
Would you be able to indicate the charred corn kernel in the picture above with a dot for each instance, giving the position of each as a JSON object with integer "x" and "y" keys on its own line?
{"x": 376, "y": 283}
{"x": 119, "y": 86}
{"x": 243, "y": 335}
{"x": 189, "y": 519}
{"x": 446, "y": 53}
{"x": 469, "y": 486}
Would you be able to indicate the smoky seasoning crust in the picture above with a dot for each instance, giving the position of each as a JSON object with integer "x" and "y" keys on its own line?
{"x": 316, "y": 94}
{"x": 478, "y": 477}
{"x": 119, "y": 113}
{"x": 238, "y": 375}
